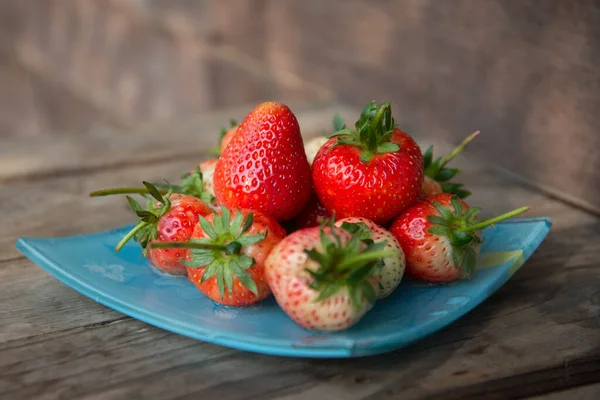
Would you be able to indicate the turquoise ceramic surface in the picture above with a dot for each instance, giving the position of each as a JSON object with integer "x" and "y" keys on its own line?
{"x": 127, "y": 283}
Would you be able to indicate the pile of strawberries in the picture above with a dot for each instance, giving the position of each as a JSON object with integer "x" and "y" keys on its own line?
{"x": 328, "y": 228}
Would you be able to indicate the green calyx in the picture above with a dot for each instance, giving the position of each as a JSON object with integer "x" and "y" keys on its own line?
{"x": 347, "y": 265}
{"x": 146, "y": 228}
{"x": 437, "y": 170}
{"x": 191, "y": 184}
{"x": 216, "y": 151}
{"x": 461, "y": 229}
{"x": 220, "y": 252}
{"x": 372, "y": 131}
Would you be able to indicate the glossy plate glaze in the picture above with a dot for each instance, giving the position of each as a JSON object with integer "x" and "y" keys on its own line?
{"x": 126, "y": 282}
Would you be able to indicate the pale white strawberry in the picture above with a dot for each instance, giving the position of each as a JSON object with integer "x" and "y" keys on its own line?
{"x": 393, "y": 267}
{"x": 317, "y": 289}
{"x": 430, "y": 187}
{"x": 208, "y": 171}
{"x": 312, "y": 146}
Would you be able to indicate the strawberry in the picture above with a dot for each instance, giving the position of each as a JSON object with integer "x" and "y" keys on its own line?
{"x": 440, "y": 237}
{"x": 206, "y": 171}
{"x": 324, "y": 278}
{"x": 171, "y": 218}
{"x": 436, "y": 176}
{"x": 312, "y": 146}
{"x": 374, "y": 172}
{"x": 227, "y": 255}
{"x": 224, "y": 138}
{"x": 313, "y": 214}
{"x": 264, "y": 167}
{"x": 392, "y": 269}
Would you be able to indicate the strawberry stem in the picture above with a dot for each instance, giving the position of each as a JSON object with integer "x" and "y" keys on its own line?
{"x": 192, "y": 245}
{"x": 446, "y": 159}
{"x": 364, "y": 257}
{"x": 483, "y": 224}
{"x": 129, "y": 235}
{"x": 130, "y": 190}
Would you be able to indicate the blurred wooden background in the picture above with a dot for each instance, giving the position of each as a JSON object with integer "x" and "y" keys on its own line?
{"x": 524, "y": 72}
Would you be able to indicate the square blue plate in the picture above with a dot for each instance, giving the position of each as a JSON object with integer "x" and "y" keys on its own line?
{"x": 126, "y": 282}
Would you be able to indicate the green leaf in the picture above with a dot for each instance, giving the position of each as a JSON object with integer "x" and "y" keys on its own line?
{"x": 207, "y": 227}
{"x": 236, "y": 224}
{"x": 353, "y": 245}
{"x": 434, "y": 219}
{"x": 154, "y": 192}
{"x": 457, "y": 205}
{"x": 340, "y": 132}
{"x": 221, "y": 280}
{"x": 135, "y": 206}
{"x": 329, "y": 290}
{"x": 325, "y": 239}
{"x": 443, "y": 211}
{"x": 247, "y": 240}
{"x": 470, "y": 259}
{"x": 463, "y": 194}
{"x": 366, "y": 156}
{"x": 227, "y": 274}
{"x": 248, "y": 222}
{"x": 355, "y": 297}
{"x": 387, "y": 147}
{"x": 446, "y": 174}
{"x": 428, "y": 157}
{"x": 244, "y": 261}
{"x": 232, "y": 123}
{"x": 471, "y": 213}
{"x": 225, "y": 216}
{"x": 244, "y": 277}
{"x": 218, "y": 225}
{"x": 357, "y": 227}
{"x": 200, "y": 260}
{"x": 457, "y": 256}
{"x": 210, "y": 271}
{"x": 439, "y": 230}
{"x": 458, "y": 238}
{"x": 359, "y": 273}
{"x": 368, "y": 291}
{"x": 338, "y": 122}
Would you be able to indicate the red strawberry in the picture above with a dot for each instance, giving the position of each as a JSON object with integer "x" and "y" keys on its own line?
{"x": 171, "y": 218}
{"x": 436, "y": 176}
{"x": 313, "y": 214}
{"x": 440, "y": 237}
{"x": 374, "y": 172}
{"x": 227, "y": 255}
{"x": 264, "y": 167}
{"x": 392, "y": 269}
{"x": 227, "y": 137}
{"x": 324, "y": 278}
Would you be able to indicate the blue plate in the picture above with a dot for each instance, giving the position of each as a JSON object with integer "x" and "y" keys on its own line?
{"x": 126, "y": 282}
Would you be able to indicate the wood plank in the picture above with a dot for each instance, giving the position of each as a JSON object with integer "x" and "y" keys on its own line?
{"x": 34, "y": 303}
{"x": 22, "y": 158}
{"x": 490, "y": 349}
{"x": 587, "y": 392}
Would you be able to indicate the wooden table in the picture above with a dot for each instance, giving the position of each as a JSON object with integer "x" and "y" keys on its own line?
{"x": 539, "y": 335}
